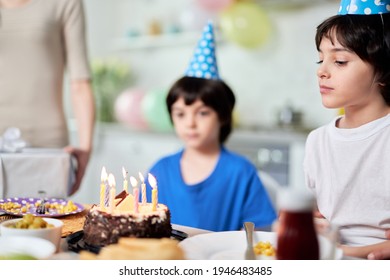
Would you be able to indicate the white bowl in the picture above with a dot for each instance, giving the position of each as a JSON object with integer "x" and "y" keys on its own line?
{"x": 51, "y": 234}
{"x": 23, "y": 247}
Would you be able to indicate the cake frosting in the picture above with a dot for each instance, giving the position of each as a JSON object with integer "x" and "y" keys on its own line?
{"x": 104, "y": 226}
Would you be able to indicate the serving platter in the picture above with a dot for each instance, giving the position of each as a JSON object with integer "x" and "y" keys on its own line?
{"x": 76, "y": 243}
{"x": 55, "y": 207}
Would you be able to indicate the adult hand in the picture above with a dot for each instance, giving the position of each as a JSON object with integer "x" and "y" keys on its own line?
{"x": 82, "y": 157}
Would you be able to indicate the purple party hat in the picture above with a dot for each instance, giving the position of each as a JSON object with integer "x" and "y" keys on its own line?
{"x": 204, "y": 62}
{"x": 364, "y": 7}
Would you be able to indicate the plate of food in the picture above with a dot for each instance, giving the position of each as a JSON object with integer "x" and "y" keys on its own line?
{"x": 232, "y": 244}
{"x": 53, "y": 207}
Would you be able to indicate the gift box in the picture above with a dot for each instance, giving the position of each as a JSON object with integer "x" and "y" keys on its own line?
{"x": 25, "y": 173}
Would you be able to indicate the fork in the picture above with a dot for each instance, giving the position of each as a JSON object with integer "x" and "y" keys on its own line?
{"x": 249, "y": 253}
{"x": 41, "y": 209}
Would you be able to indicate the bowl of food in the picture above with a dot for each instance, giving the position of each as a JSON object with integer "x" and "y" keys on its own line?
{"x": 25, "y": 248}
{"x": 49, "y": 229}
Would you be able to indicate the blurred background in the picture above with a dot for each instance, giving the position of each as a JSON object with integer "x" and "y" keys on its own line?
{"x": 265, "y": 52}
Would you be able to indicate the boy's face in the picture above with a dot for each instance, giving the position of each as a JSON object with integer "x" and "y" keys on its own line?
{"x": 344, "y": 79}
{"x": 196, "y": 124}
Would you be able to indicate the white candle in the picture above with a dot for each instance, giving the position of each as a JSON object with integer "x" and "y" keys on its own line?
{"x": 125, "y": 182}
{"x": 153, "y": 183}
{"x": 143, "y": 187}
{"x": 112, "y": 194}
{"x": 134, "y": 184}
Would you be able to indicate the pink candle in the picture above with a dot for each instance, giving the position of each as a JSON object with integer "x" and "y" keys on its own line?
{"x": 112, "y": 193}
{"x": 134, "y": 184}
{"x": 125, "y": 183}
{"x": 103, "y": 179}
{"x": 143, "y": 187}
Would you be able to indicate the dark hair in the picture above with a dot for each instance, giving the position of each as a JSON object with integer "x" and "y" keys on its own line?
{"x": 366, "y": 35}
{"x": 215, "y": 94}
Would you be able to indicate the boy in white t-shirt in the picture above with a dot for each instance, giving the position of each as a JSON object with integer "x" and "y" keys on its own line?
{"x": 347, "y": 162}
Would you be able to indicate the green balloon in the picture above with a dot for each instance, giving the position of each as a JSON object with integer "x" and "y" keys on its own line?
{"x": 155, "y": 110}
{"x": 245, "y": 24}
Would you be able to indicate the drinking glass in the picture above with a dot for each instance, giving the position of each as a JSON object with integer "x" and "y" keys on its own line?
{"x": 330, "y": 232}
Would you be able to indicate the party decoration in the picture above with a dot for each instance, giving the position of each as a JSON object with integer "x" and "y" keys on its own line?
{"x": 193, "y": 18}
{"x": 128, "y": 109}
{"x": 204, "y": 62}
{"x": 214, "y": 5}
{"x": 155, "y": 110}
{"x": 364, "y": 7}
{"x": 109, "y": 78}
{"x": 11, "y": 141}
{"x": 245, "y": 24}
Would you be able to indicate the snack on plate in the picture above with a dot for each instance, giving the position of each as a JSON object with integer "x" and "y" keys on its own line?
{"x": 29, "y": 221}
{"x": 130, "y": 248}
{"x": 23, "y": 206}
{"x": 264, "y": 249}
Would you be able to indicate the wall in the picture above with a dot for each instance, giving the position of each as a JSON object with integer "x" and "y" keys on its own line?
{"x": 264, "y": 79}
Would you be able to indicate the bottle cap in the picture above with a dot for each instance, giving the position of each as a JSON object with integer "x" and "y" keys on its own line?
{"x": 295, "y": 200}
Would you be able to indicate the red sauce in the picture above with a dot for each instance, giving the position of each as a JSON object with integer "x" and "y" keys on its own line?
{"x": 297, "y": 238}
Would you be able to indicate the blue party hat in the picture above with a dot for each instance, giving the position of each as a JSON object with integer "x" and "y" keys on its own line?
{"x": 204, "y": 62}
{"x": 364, "y": 7}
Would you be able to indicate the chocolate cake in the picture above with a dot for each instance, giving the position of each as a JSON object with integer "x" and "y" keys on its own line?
{"x": 102, "y": 228}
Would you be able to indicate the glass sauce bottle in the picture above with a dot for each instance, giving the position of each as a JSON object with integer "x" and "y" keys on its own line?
{"x": 296, "y": 234}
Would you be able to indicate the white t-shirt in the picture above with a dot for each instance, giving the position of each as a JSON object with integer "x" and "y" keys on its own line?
{"x": 349, "y": 172}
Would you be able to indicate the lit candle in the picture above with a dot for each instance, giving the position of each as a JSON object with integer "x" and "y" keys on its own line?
{"x": 134, "y": 184}
{"x": 103, "y": 179}
{"x": 111, "y": 182}
{"x": 153, "y": 183}
{"x": 125, "y": 183}
{"x": 107, "y": 193}
{"x": 143, "y": 187}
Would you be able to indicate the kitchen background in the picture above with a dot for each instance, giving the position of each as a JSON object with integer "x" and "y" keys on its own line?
{"x": 138, "y": 48}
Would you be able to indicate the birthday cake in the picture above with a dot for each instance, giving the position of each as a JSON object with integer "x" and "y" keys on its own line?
{"x": 105, "y": 226}
{"x": 123, "y": 215}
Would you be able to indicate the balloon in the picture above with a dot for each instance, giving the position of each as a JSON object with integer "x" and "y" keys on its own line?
{"x": 128, "y": 108}
{"x": 193, "y": 18}
{"x": 214, "y": 5}
{"x": 245, "y": 24}
{"x": 155, "y": 110}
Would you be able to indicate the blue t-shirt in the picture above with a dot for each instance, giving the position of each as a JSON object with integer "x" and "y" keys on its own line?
{"x": 231, "y": 195}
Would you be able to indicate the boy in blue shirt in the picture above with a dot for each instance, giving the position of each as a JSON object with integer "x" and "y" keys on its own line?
{"x": 205, "y": 185}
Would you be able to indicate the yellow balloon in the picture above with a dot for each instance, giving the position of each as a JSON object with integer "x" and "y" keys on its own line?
{"x": 246, "y": 24}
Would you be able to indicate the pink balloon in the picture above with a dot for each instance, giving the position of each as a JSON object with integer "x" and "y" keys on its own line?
{"x": 214, "y": 5}
{"x": 194, "y": 18}
{"x": 128, "y": 109}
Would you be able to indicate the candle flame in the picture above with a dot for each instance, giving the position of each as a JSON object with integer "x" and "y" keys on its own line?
{"x": 111, "y": 180}
{"x": 103, "y": 175}
{"x": 141, "y": 177}
{"x": 152, "y": 181}
{"x": 124, "y": 172}
{"x": 133, "y": 181}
